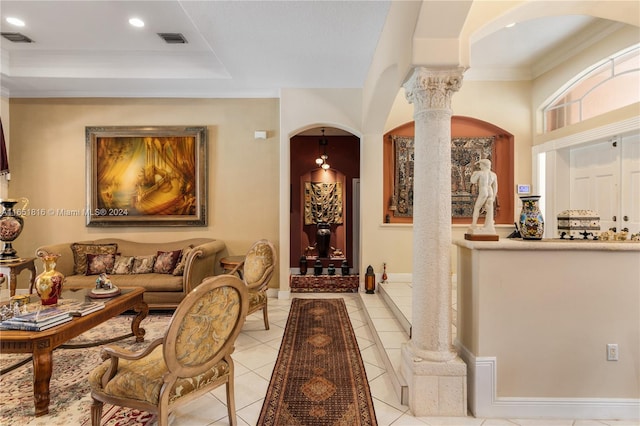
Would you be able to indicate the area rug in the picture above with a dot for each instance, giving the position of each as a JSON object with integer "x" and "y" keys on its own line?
{"x": 69, "y": 387}
{"x": 319, "y": 377}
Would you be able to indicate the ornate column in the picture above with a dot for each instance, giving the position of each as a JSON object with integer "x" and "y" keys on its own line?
{"x": 436, "y": 376}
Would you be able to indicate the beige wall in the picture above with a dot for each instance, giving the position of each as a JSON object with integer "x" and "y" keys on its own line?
{"x": 47, "y": 158}
{"x": 552, "y": 321}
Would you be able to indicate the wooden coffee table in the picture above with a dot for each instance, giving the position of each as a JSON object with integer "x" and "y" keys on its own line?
{"x": 42, "y": 343}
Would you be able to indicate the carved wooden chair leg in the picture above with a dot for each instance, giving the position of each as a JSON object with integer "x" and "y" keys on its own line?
{"x": 266, "y": 317}
{"x": 231, "y": 402}
{"x": 96, "y": 412}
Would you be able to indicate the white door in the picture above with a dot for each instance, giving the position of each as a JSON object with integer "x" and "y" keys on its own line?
{"x": 630, "y": 183}
{"x": 595, "y": 177}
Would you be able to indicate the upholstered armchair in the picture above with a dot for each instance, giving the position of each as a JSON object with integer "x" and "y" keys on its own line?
{"x": 192, "y": 358}
{"x": 257, "y": 270}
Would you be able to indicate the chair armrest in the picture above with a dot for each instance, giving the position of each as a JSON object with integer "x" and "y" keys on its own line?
{"x": 201, "y": 263}
{"x": 111, "y": 351}
{"x": 115, "y": 353}
{"x": 237, "y": 267}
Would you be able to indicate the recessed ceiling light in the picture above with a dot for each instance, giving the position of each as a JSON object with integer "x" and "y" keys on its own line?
{"x": 511, "y": 25}
{"x": 15, "y": 21}
{"x": 136, "y": 22}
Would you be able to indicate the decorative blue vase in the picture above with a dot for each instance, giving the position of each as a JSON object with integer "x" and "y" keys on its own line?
{"x": 531, "y": 222}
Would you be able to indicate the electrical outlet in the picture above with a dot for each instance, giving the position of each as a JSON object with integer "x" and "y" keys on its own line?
{"x": 612, "y": 351}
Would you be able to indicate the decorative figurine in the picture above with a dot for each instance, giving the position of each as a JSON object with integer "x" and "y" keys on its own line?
{"x": 104, "y": 287}
{"x": 487, "y": 182}
{"x": 104, "y": 282}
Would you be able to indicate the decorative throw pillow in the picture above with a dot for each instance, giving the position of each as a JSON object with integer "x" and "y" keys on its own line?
{"x": 99, "y": 263}
{"x": 122, "y": 265}
{"x": 166, "y": 261}
{"x": 143, "y": 264}
{"x": 80, "y": 251}
{"x": 179, "y": 269}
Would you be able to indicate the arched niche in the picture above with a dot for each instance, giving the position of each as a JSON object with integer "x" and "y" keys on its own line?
{"x": 461, "y": 127}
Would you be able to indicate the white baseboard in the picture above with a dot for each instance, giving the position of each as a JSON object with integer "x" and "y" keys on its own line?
{"x": 484, "y": 403}
{"x": 280, "y": 294}
{"x": 406, "y": 278}
{"x": 396, "y": 278}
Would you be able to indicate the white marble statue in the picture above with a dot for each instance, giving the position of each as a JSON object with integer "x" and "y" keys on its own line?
{"x": 487, "y": 182}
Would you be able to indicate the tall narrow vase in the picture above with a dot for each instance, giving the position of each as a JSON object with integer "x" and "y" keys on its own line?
{"x": 531, "y": 222}
{"x": 11, "y": 224}
{"x": 49, "y": 283}
{"x": 323, "y": 239}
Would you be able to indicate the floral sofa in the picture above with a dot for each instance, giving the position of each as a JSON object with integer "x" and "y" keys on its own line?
{"x": 167, "y": 271}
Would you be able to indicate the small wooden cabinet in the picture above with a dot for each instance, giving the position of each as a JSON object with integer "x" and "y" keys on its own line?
{"x": 324, "y": 283}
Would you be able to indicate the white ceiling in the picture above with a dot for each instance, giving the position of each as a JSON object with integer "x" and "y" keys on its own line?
{"x": 235, "y": 48}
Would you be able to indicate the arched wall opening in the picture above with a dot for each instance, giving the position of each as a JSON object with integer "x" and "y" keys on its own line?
{"x": 343, "y": 151}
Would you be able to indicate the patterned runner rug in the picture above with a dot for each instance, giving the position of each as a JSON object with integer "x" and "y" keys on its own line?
{"x": 319, "y": 377}
{"x": 69, "y": 388}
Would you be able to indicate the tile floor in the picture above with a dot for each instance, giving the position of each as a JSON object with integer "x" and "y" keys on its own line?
{"x": 257, "y": 350}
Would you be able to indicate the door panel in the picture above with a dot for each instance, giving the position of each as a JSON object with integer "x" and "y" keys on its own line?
{"x": 630, "y": 178}
{"x": 595, "y": 173}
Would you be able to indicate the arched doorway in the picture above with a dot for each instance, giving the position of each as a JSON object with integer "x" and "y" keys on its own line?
{"x": 311, "y": 186}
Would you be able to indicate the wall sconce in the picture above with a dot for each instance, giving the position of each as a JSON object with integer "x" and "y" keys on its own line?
{"x": 322, "y": 160}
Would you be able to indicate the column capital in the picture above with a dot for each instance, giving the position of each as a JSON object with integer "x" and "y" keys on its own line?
{"x": 432, "y": 88}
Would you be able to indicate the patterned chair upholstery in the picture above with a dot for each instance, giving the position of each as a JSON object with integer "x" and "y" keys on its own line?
{"x": 192, "y": 358}
{"x": 257, "y": 270}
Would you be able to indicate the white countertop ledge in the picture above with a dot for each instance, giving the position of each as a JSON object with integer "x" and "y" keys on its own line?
{"x": 549, "y": 244}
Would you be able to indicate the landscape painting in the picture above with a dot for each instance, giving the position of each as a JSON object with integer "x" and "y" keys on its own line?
{"x": 146, "y": 176}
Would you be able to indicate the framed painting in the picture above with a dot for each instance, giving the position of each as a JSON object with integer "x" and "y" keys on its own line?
{"x": 146, "y": 176}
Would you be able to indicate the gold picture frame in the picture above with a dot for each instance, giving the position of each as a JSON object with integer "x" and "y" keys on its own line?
{"x": 146, "y": 176}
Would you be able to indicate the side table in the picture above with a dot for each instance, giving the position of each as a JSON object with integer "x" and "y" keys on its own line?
{"x": 16, "y": 266}
{"x": 230, "y": 262}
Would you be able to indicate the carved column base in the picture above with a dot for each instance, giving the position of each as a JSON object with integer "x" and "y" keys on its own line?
{"x": 435, "y": 388}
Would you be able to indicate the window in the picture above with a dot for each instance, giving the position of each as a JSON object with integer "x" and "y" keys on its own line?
{"x": 611, "y": 84}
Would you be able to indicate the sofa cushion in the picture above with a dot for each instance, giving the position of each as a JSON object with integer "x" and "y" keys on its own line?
{"x": 80, "y": 251}
{"x": 163, "y": 283}
{"x": 166, "y": 261}
{"x": 122, "y": 265}
{"x": 143, "y": 264}
{"x": 179, "y": 269}
{"x": 100, "y": 263}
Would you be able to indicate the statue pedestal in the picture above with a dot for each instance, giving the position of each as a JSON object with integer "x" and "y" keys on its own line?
{"x": 481, "y": 237}
{"x": 481, "y": 234}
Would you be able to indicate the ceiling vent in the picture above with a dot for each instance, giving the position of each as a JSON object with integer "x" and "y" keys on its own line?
{"x": 17, "y": 37}
{"x": 173, "y": 38}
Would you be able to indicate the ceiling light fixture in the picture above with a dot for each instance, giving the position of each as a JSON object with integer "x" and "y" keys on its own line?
{"x": 511, "y": 25}
{"x": 15, "y": 21}
{"x": 136, "y": 22}
{"x": 322, "y": 160}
